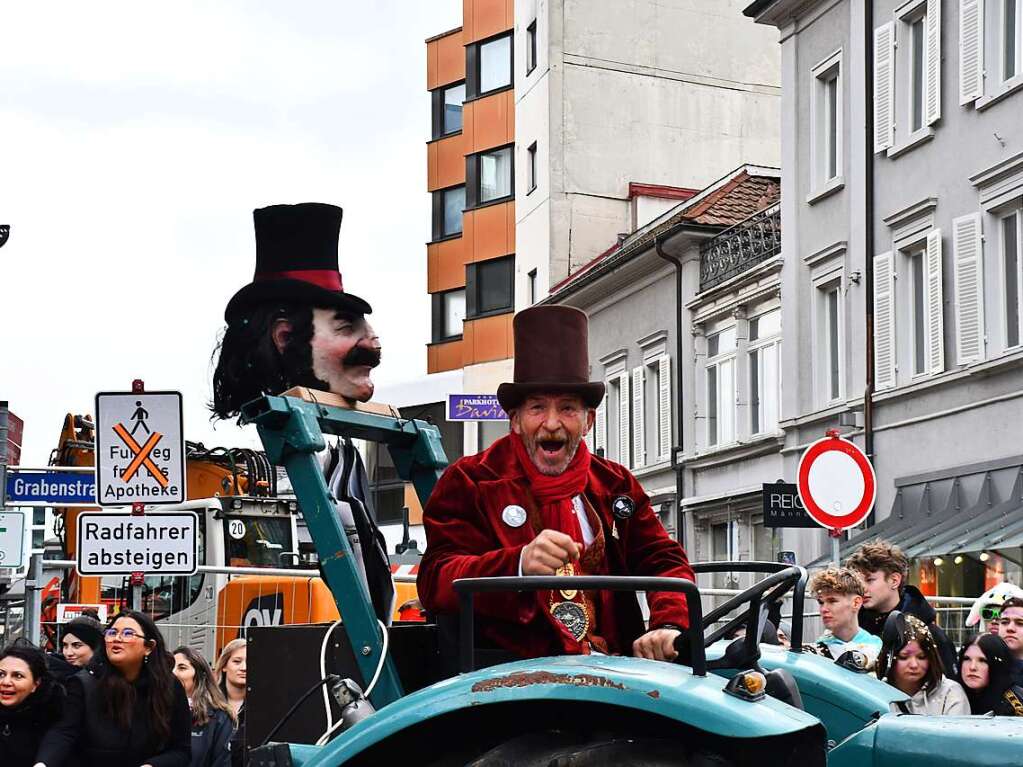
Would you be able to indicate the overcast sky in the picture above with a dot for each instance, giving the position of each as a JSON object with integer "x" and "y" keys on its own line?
{"x": 135, "y": 140}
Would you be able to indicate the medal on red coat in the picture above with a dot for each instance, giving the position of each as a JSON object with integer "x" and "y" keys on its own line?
{"x": 569, "y": 613}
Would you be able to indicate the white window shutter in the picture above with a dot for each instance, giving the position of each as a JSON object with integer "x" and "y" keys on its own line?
{"x": 971, "y": 50}
{"x": 664, "y": 407}
{"x": 932, "y": 97}
{"x": 600, "y": 426}
{"x": 934, "y": 299}
{"x": 884, "y": 86}
{"x": 969, "y": 287}
{"x": 623, "y": 420}
{"x": 638, "y": 419}
{"x": 884, "y": 321}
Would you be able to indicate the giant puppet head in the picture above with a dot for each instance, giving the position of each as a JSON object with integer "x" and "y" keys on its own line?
{"x": 294, "y": 324}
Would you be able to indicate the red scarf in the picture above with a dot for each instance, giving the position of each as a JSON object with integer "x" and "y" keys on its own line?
{"x": 554, "y": 494}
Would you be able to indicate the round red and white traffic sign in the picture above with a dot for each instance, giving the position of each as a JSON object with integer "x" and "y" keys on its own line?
{"x": 836, "y": 483}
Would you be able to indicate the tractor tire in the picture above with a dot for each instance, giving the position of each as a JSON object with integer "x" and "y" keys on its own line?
{"x": 571, "y": 749}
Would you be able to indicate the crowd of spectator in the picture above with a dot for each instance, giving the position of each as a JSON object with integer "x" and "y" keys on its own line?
{"x": 115, "y": 696}
{"x": 867, "y": 606}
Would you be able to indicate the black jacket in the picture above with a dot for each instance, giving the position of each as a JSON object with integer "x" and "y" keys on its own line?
{"x": 87, "y": 731}
{"x": 211, "y": 742}
{"x": 239, "y": 754}
{"x": 914, "y": 603}
{"x": 22, "y": 728}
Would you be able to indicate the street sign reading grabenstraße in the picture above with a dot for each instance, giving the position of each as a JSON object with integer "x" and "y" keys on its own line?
{"x": 140, "y": 448}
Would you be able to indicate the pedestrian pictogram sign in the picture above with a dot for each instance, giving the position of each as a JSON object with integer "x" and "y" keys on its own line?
{"x": 836, "y": 483}
{"x": 140, "y": 448}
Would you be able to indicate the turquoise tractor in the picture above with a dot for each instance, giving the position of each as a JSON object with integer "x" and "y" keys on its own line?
{"x": 723, "y": 703}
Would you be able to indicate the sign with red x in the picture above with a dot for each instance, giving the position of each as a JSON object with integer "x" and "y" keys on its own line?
{"x": 140, "y": 448}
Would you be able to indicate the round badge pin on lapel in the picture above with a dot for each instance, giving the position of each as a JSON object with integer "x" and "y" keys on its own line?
{"x": 623, "y": 507}
{"x": 514, "y": 516}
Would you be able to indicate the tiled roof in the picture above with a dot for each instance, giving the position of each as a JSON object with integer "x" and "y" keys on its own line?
{"x": 735, "y": 200}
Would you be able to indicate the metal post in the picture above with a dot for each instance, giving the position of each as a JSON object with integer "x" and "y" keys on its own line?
{"x": 33, "y": 599}
{"x": 138, "y": 386}
{"x": 836, "y": 544}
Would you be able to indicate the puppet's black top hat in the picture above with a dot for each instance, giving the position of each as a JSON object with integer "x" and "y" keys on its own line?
{"x": 296, "y": 260}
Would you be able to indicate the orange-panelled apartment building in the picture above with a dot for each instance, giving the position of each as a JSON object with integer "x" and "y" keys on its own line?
{"x": 558, "y": 128}
{"x": 471, "y": 253}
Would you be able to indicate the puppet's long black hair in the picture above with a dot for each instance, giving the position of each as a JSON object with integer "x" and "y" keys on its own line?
{"x": 249, "y": 365}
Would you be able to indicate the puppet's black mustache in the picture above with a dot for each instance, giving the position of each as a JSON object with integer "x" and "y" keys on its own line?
{"x": 360, "y": 355}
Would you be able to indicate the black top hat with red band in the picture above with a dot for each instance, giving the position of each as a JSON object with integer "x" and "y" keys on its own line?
{"x": 296, "y": 260}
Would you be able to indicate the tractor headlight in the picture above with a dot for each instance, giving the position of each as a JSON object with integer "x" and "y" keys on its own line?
{"x": 748, "y": 685}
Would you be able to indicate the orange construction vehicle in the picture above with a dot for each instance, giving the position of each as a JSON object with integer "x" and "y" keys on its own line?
{"x": 244, "y": 526}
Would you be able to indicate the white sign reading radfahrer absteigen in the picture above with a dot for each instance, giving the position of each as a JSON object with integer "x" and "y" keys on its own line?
{"x": 140, "y": 449}
{"x": 158, "y": 543}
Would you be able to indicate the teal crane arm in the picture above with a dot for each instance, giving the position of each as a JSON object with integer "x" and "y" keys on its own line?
{"x": 292, "y": 433}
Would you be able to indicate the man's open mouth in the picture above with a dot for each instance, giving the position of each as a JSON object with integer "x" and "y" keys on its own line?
{"x": 551, "y": 446}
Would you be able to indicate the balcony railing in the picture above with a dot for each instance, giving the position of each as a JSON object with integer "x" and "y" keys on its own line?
{"x": 740, "y": 247}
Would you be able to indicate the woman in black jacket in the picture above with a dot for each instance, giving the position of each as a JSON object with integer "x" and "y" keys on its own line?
{"x": 30, "y": 704}
{"x": 127, "y": 709}
{"x": 985, "y": 672}
{"x": 213, "y": 721}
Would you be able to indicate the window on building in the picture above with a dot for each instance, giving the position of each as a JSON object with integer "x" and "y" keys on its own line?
{"x": 917, "y": 71}
{"x": 721, "y": 387}
{"x": 1010, "y": 38}
{"x": 453, "y": 98}
{"x": 531, "y": 46}
{"x": 448, "y": 205}
{"x": 990, "y": 49}
{"x": 492, "y": 174}
{"x": 495, "y": 64}
{"x": 447, "y": 110}
{"x": 531, "y": 168}
{"x": 907, "y": 76}
{"x": 829, "y": 338}
{"x": 1012, "y": 265}
{"x": 765, "y": 383}
{"x": 490, "y": 287}
{"x": 827, "y": 120}
{"x": 531, "y": 284}
{"x": 448, "y": 314}
{"x": 918, "y": 307}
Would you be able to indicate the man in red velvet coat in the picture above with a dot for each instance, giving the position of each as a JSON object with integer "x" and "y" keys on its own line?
{"x": 537, "y": 502}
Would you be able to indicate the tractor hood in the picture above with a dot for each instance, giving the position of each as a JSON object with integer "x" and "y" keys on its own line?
{"x": 904, "y": 740}
{"x": 663, "y": 689}
{"x": 843, "y": 700}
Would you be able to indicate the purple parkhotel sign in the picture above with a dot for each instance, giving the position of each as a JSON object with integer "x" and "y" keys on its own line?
{"x": 475, "y": 407}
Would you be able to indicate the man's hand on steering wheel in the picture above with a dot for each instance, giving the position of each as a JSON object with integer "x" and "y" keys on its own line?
{"x": 658, "y": 644}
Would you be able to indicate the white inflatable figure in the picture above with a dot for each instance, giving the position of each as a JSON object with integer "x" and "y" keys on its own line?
{"x": 995, "y": 596}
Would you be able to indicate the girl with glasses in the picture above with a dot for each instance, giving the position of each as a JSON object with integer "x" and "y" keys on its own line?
{"x": 127, "y": 709}
{"x": 213, "y": 720}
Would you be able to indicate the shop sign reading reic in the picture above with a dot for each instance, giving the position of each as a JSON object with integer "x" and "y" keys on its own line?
{"x": 140, "y": 449}
{"x": 159, "y": 543}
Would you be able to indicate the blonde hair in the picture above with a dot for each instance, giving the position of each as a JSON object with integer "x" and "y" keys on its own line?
{"x": 225, "y": 655}
{"x": 837, "y": 580}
